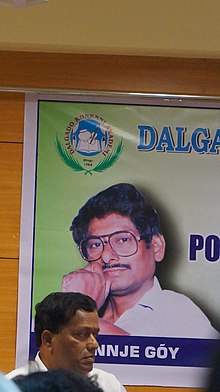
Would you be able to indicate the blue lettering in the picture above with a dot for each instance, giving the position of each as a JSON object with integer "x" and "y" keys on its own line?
{"x": 165, "y": 139}
{"x": 212, "y": 248}
{"x": 216, "y": 143}
{"x": 200, "y": 146}
{"x": 200, "y": 142}
{"x": 196, "y": 243}
{"x": 180, "y": 141}
{"x": 145, "y": 131}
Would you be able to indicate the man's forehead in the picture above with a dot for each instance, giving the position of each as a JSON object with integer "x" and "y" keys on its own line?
{"x": 84, "y": 319}
{"x": 84, "y": 316}
{"x": 110, "y": 223}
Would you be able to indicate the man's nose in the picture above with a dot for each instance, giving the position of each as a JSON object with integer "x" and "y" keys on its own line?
{"x": 108, "y": 254}
{"x": 92, "y": 343}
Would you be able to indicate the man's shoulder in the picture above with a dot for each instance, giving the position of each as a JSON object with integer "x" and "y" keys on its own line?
{"x": 107, "y": 381}
{"x": 179, "y": 299}
{"x": 21, "y": 371}
{"x": 102, "y": 374}
{"x": 184, "y": 309}
{"x": 30, "y": 367}
{"x": 158, "y": 297}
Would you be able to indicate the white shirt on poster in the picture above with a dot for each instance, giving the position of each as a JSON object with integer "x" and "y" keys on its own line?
{"x": 166, "y": 313}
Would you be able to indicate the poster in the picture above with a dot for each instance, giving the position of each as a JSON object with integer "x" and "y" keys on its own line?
{"x": 78, "y": 146}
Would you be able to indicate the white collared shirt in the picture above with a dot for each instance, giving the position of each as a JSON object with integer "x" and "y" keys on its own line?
{"x": 107, "y": 381}
{"x": 166, "y": 313}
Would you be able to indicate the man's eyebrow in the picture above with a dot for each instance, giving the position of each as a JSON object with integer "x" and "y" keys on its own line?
{"x": 86, "y": 327}
{"x": 96, "y": 329}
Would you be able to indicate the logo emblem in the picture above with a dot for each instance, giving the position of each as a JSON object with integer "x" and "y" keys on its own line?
{"x": 89, "y": 145}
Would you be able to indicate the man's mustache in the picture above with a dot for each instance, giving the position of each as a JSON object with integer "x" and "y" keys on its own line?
{"x": 118, "y": 265}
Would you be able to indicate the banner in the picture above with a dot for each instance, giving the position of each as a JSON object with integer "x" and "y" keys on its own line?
{"x": 161, "y": 305}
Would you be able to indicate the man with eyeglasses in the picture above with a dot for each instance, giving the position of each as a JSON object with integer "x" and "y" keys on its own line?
{"x": 118, "y": 233}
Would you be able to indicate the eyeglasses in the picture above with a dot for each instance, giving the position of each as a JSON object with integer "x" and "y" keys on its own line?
{"x": 123, "y": 243}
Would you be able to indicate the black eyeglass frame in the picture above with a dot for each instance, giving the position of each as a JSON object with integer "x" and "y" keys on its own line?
{"x": 103, "y": 242}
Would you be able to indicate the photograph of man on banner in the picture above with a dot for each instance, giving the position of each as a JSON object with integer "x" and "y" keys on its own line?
{"x": 118, "y": 233}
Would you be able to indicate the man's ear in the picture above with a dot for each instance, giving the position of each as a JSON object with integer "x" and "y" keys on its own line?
{"x": 46, "y": 338}
{"x": 158, "y": 246}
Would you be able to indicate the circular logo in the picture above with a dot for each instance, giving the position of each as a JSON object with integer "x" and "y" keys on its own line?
{"x": 88, "y": 138}
{"x": 89, "y": 144}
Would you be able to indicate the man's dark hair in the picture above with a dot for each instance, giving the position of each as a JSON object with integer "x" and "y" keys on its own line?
{"x": 57, "y": 309}
{"x": 123, "y": 199}
{"x": 59, "y": 380}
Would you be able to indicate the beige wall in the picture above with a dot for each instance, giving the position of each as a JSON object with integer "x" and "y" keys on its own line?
{"x": 182, "y": 28}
